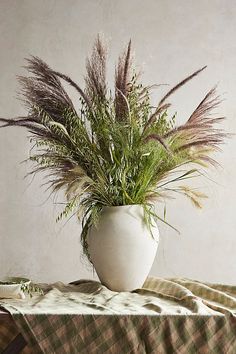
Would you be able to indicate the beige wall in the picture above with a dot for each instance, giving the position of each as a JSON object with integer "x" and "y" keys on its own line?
{"x": 172, "y": 39}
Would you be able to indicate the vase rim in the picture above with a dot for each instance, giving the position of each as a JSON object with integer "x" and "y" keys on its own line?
{"x": 122, "y": 206}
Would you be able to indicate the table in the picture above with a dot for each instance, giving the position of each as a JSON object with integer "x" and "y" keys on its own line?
{"x": 166, "y": 316}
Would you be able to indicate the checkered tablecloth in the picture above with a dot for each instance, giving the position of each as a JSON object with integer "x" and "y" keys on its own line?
{"x": 165, "y": 316}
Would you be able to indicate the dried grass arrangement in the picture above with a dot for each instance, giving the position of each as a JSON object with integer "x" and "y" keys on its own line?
{"x": 117, "y": 148}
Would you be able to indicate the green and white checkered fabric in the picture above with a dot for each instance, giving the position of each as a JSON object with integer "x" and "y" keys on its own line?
{"x": 165, "y": 316}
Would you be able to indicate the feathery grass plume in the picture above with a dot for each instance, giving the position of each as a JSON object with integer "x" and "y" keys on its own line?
{"x": 116, "y": 149}
{"x": 43, "y": 90}
{"x": 164, "y": 106}
{"x": 76, "y": 87}
{"x": 96, "y": 71}
{"x": 199, "y": 132}
{"x": 180, "y": 84}
{"x": 122, "y": 81}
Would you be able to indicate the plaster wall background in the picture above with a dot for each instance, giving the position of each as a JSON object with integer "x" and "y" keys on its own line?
{"x": 172, "y": 38}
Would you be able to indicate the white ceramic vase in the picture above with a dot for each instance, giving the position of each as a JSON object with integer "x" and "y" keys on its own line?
{"x": 122, "y": 248}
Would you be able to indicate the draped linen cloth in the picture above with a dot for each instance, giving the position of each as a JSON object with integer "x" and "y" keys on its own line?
{"x": 165, "y": 316}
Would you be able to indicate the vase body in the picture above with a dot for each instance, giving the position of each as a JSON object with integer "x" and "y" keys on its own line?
{"x": 122, "y": 248}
